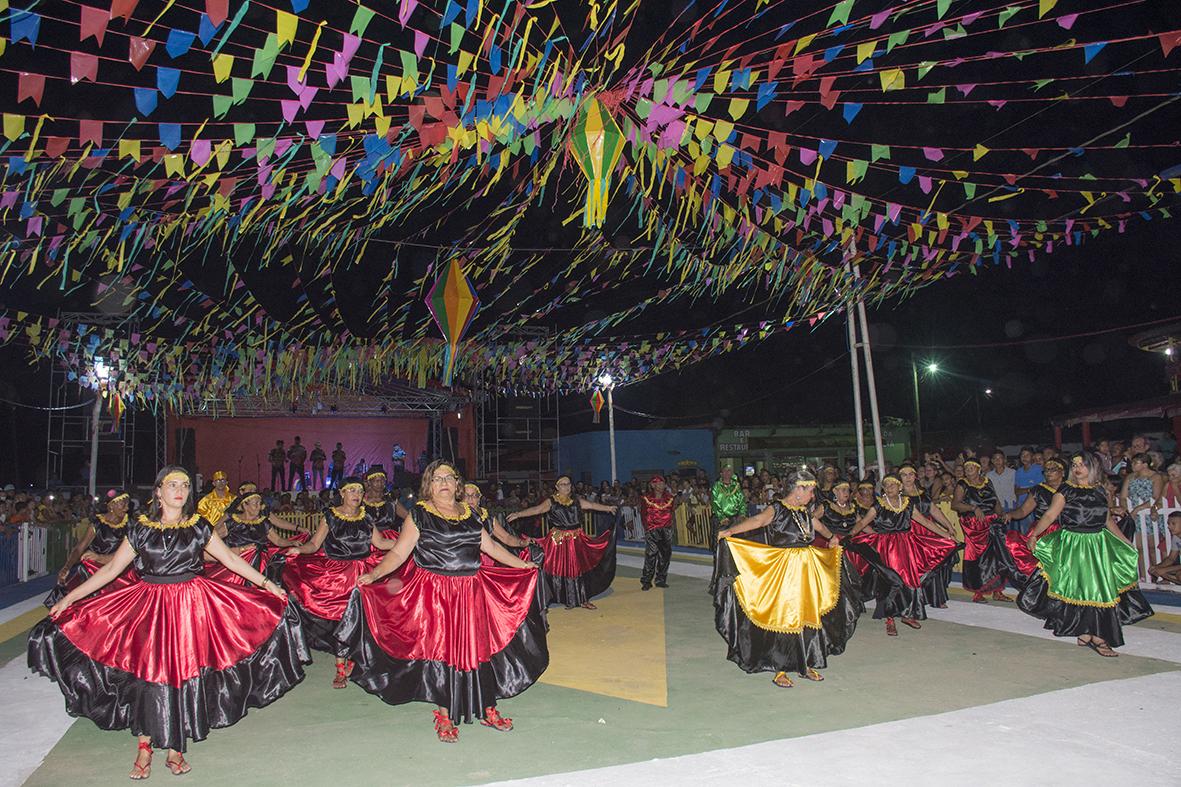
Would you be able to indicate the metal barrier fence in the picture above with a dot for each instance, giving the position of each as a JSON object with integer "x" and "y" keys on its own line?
{"x": 31, "y": 550}
{"x": 694, "y": 525}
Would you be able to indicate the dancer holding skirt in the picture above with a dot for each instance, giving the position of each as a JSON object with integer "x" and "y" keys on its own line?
{"x": 784, "y": 606}
{"x": 174, "y": 654}
{"x": 455, "y": 633}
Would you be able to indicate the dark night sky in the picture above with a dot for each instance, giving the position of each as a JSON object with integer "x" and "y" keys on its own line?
{"x": 1108, "y": 282}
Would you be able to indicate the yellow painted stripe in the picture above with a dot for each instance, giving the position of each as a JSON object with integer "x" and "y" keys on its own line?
{"x": 20, "y": 624}
{"x": 587, "y": 647}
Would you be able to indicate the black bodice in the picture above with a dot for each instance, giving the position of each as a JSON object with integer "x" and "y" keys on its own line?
{"x": 245, "y": 533}
{"x": 839, "y": 524}
{"x": 983, "y": 496}
{"x": 169, "y": 551}
{"x": 107, "y": 537}
{"x": 889, "y": 520}
{"x": 384, "y": 514}
{"x": 1085, "y": 510}
{"x": 348, "y": 539}
{"x": 1042, "y": 497}
{"x": 564, "y": 517}
{"x": 447, "y": 546}
{"x": 789, "y": 527}
{"x": 922, "y": 502}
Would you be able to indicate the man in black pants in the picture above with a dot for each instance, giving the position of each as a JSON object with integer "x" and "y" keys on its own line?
{"x": 296, "y": 455}
{"x": 656, "y": 512}
{"x": 277, "y": 456}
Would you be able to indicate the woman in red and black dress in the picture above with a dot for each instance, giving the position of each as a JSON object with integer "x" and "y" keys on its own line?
{"x": 96, "y": 549}
{"x": 935, "y": 591}
{"x": 521, "y": 546}
{"x": 174, "y": 654}
{"x": 906, "y": 552}
{"x": 321, "y": 582}
{"x": 1022, "y": 563}
{"x": 838, "y": 514}
{"x": 453, "y": 632}
{"x": 577, "y": 567}
{"x": 247, "y": 530}
{"x": 986, "y": 567}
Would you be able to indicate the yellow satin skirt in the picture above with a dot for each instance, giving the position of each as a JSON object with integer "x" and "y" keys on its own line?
{"x": 785, "y": 589}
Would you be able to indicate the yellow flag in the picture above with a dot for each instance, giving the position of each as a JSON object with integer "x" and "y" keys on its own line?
{"x": 14, "y": 126}
{"x": 129, "y": 148}
{"x": 285, "y": 25}
{"x": 222, "y": 65}
{"x": 892, "y": 79}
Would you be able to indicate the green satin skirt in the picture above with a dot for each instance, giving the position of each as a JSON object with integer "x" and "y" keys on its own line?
{"x": 1090, "y": 569}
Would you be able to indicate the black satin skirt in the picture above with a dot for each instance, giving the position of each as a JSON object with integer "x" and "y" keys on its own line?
{"x": 1065, "y": 619}
{"x": 464, "y": 693}
{"x": 576, "y": 591}
{"x": 936, "y": 589}
{"x": 992, "y": 570}
{"x": 756, "y": 649}
{"x": 893, "y": 597}
{"x": 170, "y": 715}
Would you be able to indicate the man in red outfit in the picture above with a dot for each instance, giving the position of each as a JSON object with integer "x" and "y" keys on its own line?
{"x": 656, "y": 512}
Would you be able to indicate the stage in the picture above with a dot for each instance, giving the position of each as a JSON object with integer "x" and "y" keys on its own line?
{"x": 639, "y": 692}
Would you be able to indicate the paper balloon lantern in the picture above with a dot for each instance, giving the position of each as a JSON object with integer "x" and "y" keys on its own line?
{"x": 597, "y": 403}
{"x": 453, "y": 303}
{"x": 596, "y": 144}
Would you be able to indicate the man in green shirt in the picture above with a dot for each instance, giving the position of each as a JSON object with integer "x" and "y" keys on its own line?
{"x": 727, "y": 500}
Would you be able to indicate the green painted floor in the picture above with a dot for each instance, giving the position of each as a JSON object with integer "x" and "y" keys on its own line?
{"x": 316, "y": 735}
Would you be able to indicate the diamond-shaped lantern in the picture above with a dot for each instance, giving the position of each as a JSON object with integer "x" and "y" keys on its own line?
{"x": 453, "y": 303}
{"x": 596, "y": 144}
{"x": 597, "y": 403}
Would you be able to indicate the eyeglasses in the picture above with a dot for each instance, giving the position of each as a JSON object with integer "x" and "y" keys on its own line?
{"x": 442, "y": 479}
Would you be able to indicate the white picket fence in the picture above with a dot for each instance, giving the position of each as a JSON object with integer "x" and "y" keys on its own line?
{"x": 1153, "y": 545}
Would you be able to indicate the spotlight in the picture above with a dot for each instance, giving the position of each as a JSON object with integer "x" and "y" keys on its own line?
{"x": 988, "y": 392}
{"x": 606, "y": 381}
{"x": 932, "y": 367}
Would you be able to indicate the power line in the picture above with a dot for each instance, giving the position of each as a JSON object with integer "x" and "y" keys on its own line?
{"x": 1041, "y": 340}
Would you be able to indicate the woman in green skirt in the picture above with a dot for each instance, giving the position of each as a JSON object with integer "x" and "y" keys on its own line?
{"x": 1086, "y": 585}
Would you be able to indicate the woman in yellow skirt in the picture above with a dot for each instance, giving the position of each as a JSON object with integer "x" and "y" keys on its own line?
{"x": 785, "y": 605}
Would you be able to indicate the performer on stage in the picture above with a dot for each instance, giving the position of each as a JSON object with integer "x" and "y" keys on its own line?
{"x": 1087, "y": 585}
{"x": 905, "y": 559}
{"x": 577, "y": 567}
{"x": 1022, "y": 563}
{"x": 935, "y": 592}
{"x": 727, "y": 502}
{"x": 454, "y": 632}
{"x": 214, "y": 504}
{"x": 387, "y": 514}
{"x": 320, "y": 584}
{"x": 838, "y": 515}
{"x": 174, "y": 654}
{"x": 785, "y": 605}
{"x": 828, "y": 479}
{"x": 863, "y": 497}
{"x": 522, "y": 546}
{"x": 985, "y": 565}
{"x": 96, "y": 549}
{"x": 656, "y": 512}
{"x": 247, "y": 529}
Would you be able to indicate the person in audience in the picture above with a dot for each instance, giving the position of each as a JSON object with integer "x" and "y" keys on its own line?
{"x": 1169, "y": 569}
{"x": 727, "y": 500}
{"x": 1141, "y": 494}
{"x": 277, "y": 457}
{"x": 213, "y": 505}
{"x": 1003, "y": 480}
{"x": 338, "y": 462}
{"x": 318, "y": 457}
{"x": 297, "y": 454}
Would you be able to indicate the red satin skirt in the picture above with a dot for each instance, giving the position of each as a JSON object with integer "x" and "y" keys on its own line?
{"x": 259, "y": 558}
{"x": 976, "y": 535}
{"x": 572, "y": 553}
{"x": 322, "y": 585}
{"x": 168, "y": 634}
{"x": 83, "y": 571}
{"x": 911, "y": 553}
{"x": 460, "y": 621}
{"x": 1023, "y": 558}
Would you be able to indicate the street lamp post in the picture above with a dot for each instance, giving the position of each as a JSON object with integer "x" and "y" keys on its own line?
{"x": 932, "y": 367}
{"x": 102, "y": 373}
{"x": 609, "y": 383}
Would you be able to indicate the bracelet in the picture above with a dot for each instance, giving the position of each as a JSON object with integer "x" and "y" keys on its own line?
{"x": 264, "y": 582}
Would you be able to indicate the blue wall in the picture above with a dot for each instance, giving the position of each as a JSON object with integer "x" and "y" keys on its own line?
{"x": 636, "y": 450}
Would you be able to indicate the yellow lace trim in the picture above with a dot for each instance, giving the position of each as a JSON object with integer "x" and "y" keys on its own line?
{"x": 242, "y": 521}
{"x": 980, "y": 485}
{"x": 143, "y": 520}
{"x": 833, "y": 507}
{"x": 344, "y": 518}
{"x": 122, "y": 523}
{"x": 561, "y": 502}
{"x": 465, "y": 511}
{"x": 884, "y": 503}
{"x": 1083, "y": 602}
{"x": 1080, "y": 486}
{"x": 1048, "y": 488}
{"x": 799, "y": 509}
{"x": 823, "y": 610}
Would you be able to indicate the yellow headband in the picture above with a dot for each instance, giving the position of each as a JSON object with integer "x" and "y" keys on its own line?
{"x": 840, "y": 484}
{"x": 806, "y": 483}
{"x": 972, "y": 462}
{"x": 219, "y": 475}
{"x": 250, "y": 495}
{"x": 352, "y": 485}
{"x": 472, "y": 487}
{"x": 174, "y": 475}
{"x": 893, "y": 478}
{"x": 374, "y": 475}
{"x": 117, "y": 498}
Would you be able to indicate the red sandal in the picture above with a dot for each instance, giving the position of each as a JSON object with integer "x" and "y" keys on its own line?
{"x": 891, "y": 629}
{"x": 493, "y": 719}
{"x": 140, "y": 772}
{"x": 343, "y": 670}
{"x": 444, "y": 728}
{"x": 178, "y": 766}
{"x": 914, "y": 624}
